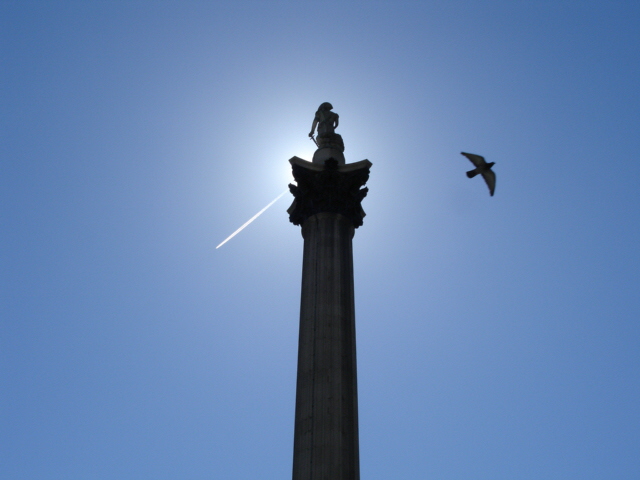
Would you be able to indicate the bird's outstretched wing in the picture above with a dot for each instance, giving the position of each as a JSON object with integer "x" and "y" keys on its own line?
{"x": 477, "y": 160}
{"x": 490, "y": 178}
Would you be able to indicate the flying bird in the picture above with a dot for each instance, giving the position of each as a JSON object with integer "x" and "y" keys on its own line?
{"x": 483, "y": 168}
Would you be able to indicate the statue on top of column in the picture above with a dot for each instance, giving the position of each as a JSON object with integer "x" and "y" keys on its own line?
{"x": 326, "y": 121}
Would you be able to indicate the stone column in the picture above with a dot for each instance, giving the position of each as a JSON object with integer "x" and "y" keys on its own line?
{"x": 327, "y": 206}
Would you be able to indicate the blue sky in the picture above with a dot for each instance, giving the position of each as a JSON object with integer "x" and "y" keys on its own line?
{"x": 497, "y": 336}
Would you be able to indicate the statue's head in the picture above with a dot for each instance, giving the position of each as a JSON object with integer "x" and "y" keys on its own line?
{"x": 325, "y": 106}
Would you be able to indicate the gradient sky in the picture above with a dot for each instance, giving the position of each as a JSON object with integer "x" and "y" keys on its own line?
{"x": 498, "y": 338}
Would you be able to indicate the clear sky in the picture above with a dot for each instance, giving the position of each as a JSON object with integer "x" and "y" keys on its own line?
{"x": 498, "y": 337}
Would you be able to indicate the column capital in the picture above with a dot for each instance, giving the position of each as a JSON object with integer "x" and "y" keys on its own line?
{"x": 328, "y": 188}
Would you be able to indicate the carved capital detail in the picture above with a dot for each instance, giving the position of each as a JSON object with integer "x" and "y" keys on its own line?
{"x": 328, "y": 188}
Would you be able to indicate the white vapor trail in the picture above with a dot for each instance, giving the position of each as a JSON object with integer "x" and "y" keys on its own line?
{"x": 252, "y": 219}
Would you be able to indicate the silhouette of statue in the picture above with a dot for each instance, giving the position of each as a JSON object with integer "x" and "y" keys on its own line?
{"x": 325, "y": 120}
{"x": 328, "y": 140}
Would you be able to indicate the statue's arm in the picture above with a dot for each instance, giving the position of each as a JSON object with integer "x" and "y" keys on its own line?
{"x": 337, "y": 121}
{"x": 313, "y": 127}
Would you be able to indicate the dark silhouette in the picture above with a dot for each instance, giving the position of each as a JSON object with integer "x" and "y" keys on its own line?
{"x": 326, "y": 120}
{"x": 483, "y": 168}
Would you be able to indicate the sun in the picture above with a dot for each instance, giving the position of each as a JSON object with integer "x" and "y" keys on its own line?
{"x": 300, "y": 148}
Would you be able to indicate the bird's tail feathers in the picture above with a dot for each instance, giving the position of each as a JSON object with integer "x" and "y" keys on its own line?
{"x": 471, "y": 173}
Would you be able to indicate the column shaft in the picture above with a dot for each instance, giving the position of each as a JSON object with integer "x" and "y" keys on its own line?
{"x": 326, "y": 419}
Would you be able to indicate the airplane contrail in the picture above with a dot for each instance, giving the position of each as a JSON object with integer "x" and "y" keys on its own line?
{"x": 252, "y": 219}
